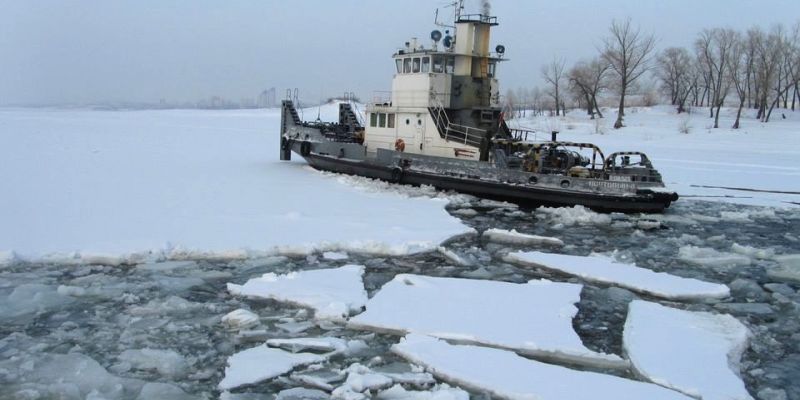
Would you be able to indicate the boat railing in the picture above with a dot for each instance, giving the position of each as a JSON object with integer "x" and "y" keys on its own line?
{"x": 454, "y": 132}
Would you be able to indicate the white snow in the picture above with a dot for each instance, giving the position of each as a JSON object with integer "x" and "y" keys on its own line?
{"x": 261, "y": 363}
{"x": 533, "y": 318}
{"x": 696, "y": 353}
{"x": 132, "y": 186}
{"x": 506, "y": 375}
{"x": 708, "y": 257}
{"x": 514, "y": 237}
{"x": 240, "y": 318}
{"x": 332, "y": 293}
{"x": 607, "y": 271}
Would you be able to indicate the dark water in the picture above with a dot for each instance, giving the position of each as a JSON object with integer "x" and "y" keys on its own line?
{"x": 113, "y": 309}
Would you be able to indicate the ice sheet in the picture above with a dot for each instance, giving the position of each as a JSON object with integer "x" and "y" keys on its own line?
{"x": 696, "y": 353}
{"x": 504, "y": 374}
{"x": 332, "y": 293}
{"x": 514, "y": 237}
{"x": 607, "y": 271}
{"x": 533, "y": 318}
{"x": 119, "y": 186}
{"x": 261, "y": 363}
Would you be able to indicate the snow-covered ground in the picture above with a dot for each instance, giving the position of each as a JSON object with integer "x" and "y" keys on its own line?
{"x": 88, "y": 190}
{"x": 108, "y": 187}
{"x": 760, "y": 156}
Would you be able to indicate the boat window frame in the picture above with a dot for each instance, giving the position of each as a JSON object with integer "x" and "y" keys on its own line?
{"x": 407, "y": 65}
{"x": 399, "y": 63}
{"x": 416, "y": 63}
{"x": 381, "y": 120}
{"x": 373, "y": 120}
{"x": 390, "y": 120}
{"x": 437, "y": 66}
{"x": 492, "y": 69}
{"x": 450, "y": 65}
{"x": 426, "y": 65}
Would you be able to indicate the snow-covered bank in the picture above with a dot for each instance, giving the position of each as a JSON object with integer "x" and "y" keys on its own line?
{"x": 120, "y": 187}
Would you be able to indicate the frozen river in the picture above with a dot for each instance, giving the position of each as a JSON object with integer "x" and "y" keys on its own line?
{"x": 126, "y": 235}
{"x": 124, "y": 326}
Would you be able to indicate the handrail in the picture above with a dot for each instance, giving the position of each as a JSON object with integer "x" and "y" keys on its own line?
{"x": 440, "y": 117}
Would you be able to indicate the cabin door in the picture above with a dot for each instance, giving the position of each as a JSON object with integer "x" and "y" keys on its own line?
{"x": 419, "y": 136}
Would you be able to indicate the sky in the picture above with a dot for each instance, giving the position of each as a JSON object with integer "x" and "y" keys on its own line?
{"x": 94, "y": 51}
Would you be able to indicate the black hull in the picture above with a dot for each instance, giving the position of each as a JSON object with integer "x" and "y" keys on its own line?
{"x": 650, "y": 202}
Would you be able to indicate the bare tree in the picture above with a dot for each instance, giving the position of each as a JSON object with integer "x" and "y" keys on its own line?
{"x": 788, "y": 64}
{"x": 553, "y": 74}
{"x": 740, "y": 66}
{"x": 714, "y": 48}
{"x": 588, "y": 79}
{"x": 627, "y": 51}
{"x": 675, "y": 70}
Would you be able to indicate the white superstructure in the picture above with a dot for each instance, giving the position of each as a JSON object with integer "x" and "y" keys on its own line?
{"x": 445, "y": 97}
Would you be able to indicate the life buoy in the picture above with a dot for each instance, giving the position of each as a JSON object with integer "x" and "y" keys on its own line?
{"x": 400, "y": 145}
{"x": 397, "y": 175}
{"x": 305, "y": 148}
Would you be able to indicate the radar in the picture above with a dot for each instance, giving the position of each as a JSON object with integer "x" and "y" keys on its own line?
{"x": 500, "y": 49}
{"x": 436, "y": 36}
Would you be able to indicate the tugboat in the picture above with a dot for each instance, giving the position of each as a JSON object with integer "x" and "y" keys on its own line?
{"x": 443, "y": 126}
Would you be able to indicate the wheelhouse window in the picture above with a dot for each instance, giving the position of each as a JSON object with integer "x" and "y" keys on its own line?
{"x": 406, "y": 65}
{"x": 438, "y": 64}
{"x": 450, "y": 66}
{"x": 373, "y": 119}
{"x": 390, "y": 123}
{"x": 492, "y": 68}
{"x": 426, "y": 64}
{"x": 416, "y": 65}
{"x": 382, "y": 120}
{"x": 399, "y": 62}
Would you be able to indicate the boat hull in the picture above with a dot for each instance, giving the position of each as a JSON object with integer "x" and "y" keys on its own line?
{"x": 646, "y": 202}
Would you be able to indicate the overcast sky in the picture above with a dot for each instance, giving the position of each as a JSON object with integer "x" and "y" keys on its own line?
{"x": 83, "y": 51}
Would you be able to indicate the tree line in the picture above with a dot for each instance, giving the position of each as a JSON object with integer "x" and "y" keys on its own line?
{"x": 755, "y": 68}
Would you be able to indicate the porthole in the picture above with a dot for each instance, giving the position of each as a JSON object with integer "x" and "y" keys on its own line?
{"x": 408, "y": 121}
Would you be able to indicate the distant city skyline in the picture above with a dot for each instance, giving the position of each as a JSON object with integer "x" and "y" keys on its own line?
{"x": 87, "y": 52}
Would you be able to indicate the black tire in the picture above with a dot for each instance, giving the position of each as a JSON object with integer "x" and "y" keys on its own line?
{"x": 305, "y": 148}
{"x": 533, "y": 180}
{"x": 565, "y": 183}
{"x": 397, "y": 175}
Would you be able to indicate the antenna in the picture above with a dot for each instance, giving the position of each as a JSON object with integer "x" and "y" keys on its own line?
{"x": 456, "y": 13}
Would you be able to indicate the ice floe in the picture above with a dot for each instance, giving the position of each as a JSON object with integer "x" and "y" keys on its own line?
{"x": 261, "y": 363}
{"x": 708, "y": 257}
{"x": 318, "y": 344}
{"x": 439, "y": 392}
{"x": 240, "y": 318}
{"x": 696, "y": 353}
{"x": 332, "y": 293}
{"x": 607, "y": 271}
{"x": 788, "y": 268}
{"x": 506, "y": 375}
{"x": 335, "y": 255}
{"x": 570, "y": 216}
{"x": 534, "y": 318}
{"x": 514, "y": 237}
{"x": 454, "y": 257}
{"x": 166, "y": 362}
